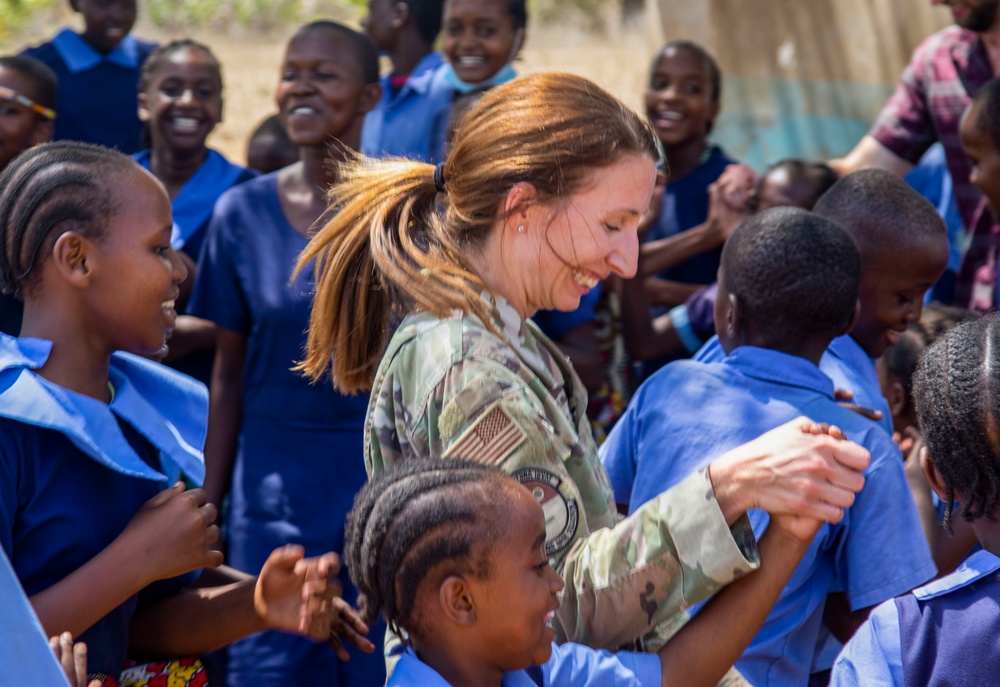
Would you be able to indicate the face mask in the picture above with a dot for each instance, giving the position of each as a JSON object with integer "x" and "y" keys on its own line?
{"x": 502, "y": 76}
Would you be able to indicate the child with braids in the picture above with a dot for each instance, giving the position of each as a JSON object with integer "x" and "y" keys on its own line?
{"x": 453, "y": 553}
{"x": 946, "y": 632}
{"x": 92, "y": 436}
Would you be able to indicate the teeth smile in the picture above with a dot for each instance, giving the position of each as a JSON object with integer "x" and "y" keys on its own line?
{"x": 470, "y": 61}
{"x": 169, "y": 305}
{"x": 585, "y": 280}
{"x": 548, "y": 618}
{"x": 671, "y": 116}
{"x": 303, "y": 110}
{"x": 187, "y": 123}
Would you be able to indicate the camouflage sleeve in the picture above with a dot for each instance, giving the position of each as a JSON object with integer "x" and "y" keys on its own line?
{"x": 622, "y": 578}
{"x": 676, "y": 550}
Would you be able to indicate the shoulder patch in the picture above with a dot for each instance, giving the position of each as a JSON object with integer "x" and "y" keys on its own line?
{"x": 562, "y": 513}
{"x": 490, "y": 439}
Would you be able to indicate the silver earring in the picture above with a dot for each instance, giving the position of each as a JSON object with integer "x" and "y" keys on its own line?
{"x": 520, "y": 228}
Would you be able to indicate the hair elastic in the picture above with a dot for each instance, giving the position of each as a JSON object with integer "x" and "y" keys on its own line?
{"x": 12, "y": 95}
{"x": 439, "y": 177}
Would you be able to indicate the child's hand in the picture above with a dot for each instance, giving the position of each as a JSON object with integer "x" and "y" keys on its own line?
{"x": 302, "y": 595}
{"x": 173, "y": 533}
{"x": 800, "y": 527}
{"x": 736, "y": 184}
{"x": 722, "y": 217}
{"x": 73, "y": 659}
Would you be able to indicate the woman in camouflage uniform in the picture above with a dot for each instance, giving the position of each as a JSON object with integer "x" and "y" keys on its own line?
{"x": 539, "y": 198}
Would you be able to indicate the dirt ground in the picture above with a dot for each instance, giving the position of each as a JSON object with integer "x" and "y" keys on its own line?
{"x": 618, "y": 61}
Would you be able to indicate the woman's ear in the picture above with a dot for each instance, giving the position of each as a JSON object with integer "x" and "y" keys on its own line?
{"x": 457, "y": 602}
{"x": 520, "y": 196}
{"x": 70, "y": 254}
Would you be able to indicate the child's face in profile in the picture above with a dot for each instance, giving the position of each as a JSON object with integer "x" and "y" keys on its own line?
{"x": 984, "y": 156}
{"x": 134, "y": 272}
{"x": 514, "y": 606}
{"x": 106, "y": 22}
{"x": 183, "y": 101}
{"x": 20, "y": 126}
{"x": 379, "y": 23}
{"x": 679, "y": 98}
{"x": 892, "y": 291}
{"x": 479, "y": 38}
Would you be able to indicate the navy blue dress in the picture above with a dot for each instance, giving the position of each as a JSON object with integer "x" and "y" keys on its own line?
{"x": 299, "y": 458}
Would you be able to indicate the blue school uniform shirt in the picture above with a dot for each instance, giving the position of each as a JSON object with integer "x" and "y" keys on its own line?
{"x": 962, "y": 612}
{"x": 844, "y": 362}
{"x": 685, "y": 206}
{"x": 411, "y": 123}
{"x": 299, "y": 455}
{"x": 690, "y": 412}
{"x": 555, "y": 324}
{"x": 25, "y": 656}
{"x": 97, "y": 101}
{"x": 571, "y": 665}
{"x": 192, "y": 206}
{"x": 74, "y": 470}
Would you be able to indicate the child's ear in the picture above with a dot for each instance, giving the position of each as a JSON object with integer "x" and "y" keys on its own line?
{"x": 734, "y": 317}
{"x": 932, "y": 475}
{"x": 400, "y": 13}
{"x": 854, "y": 318}
{"x": 69, "y": 255}
{"x": 144, "y": 114}
{"x": 456, "y": 600}
{"x": 370, "y": 95}
{"x": 518, "y": 44}
{"x": 896, "y": 398}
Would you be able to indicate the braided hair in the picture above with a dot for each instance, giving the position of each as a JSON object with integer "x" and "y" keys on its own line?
{"x": 48, "y": 190}
{"x": 440, "y": 515}
{"x": 957, "y": 394}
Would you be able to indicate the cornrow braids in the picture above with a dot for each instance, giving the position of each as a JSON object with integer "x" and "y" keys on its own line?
{"x": 46, "y": 191}
{"x": 957, "y": 392}
{"x": 415, "y": 517}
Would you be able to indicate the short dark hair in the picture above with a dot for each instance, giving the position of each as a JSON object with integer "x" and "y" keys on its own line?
{"x": 364, "y": 49}
{"x": 880, "y": 211}
{"x": 988, "y": 119}
{"x": 811, "y": 179}
{"x": 42, "y": 78}
{"x": 427, "y": 15}
{"x": 420, "y": 515}
{"x": 48, "y": 190}
{"x": 795, "y": 275}
{"x": 957, "y": 394}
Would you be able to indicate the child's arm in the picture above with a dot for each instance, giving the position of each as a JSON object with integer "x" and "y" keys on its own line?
{"x": 225, "y": 411}
{"x": 293, "y": 594}
{"x": 171, "y": 534}
{"x": 869, "y": 152}
{"x": 711, "y": 642}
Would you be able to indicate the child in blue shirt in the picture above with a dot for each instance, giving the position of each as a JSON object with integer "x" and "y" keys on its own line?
{"x": 453, "y": 554}
{"x": 92, "y": 435}
{"x": 787, "y": 285}
{"x": 402, "y": 122}
{"x": 482, "y": 38}
{"x": 98, "y": 73}
{"x": 904, "y": 250}
{"x": 946, "y": 632}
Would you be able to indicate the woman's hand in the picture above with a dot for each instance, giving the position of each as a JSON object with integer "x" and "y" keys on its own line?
{"x": 801, "y": 468}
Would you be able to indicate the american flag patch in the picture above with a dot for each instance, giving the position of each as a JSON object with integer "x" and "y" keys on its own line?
{"x": 489, "y": 440}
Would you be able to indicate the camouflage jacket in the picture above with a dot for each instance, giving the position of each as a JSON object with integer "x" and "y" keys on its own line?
{"x": 452, "y": 388}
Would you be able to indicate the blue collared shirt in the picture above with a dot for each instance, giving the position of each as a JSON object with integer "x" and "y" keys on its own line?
{"x": 97, "y": 100}
{"x": 571, "y": 665}
{"x": 413, "y": 122}
{"x": 845, "y": 362}
{"x": 25, "y": 656}
{"x": 691, "y": 412}
{"x": 873, "y": 657}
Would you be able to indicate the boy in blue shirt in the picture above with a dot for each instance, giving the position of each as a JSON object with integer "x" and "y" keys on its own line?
{"x": 904, "y": 251}
{"x": 788, "y": 285}
{"x": 402, "y": 122}
{"x": 98, "y": 73}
